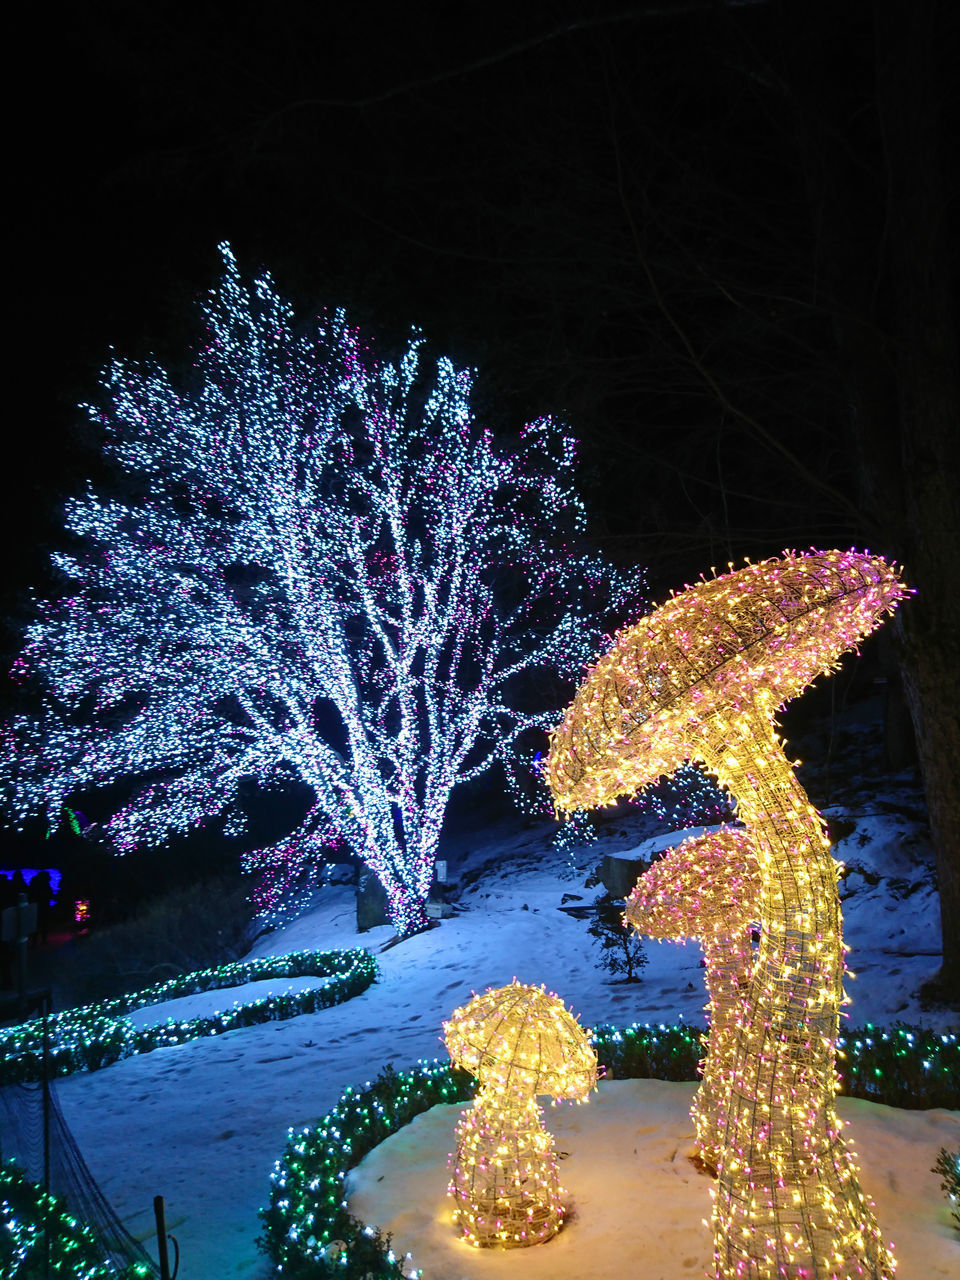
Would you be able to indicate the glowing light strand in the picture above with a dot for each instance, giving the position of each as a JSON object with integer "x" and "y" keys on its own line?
{"x": 701, "y": 678}
{"x": 330, "y": 573}
{"x": 520, "y": 1042}
{"x": 40, "y": 1236}
{"x": 688, "y": 798}
{"x": 96, "y": 1035}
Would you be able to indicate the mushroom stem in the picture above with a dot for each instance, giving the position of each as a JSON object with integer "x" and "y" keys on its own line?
{"x": 789, "y": 1203}
{"x": 505, "y": 1183}
{"x": 727, "y": 961}
{"x": 707, "y": 888}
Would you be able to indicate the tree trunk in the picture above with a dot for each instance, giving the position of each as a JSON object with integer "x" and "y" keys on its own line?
{"x": 931, "y": 674}
{"x": 925, "y": 353}
{"x": 896, "y": 335}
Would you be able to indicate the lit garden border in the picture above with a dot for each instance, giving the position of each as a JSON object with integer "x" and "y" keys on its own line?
{"x": 948, "y": 1167}
{"x": 909, "y": 1067}
{"x": 97, "y": 1035}
{"x": 29, "y": 1218}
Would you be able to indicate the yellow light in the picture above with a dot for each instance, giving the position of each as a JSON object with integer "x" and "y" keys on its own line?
{"x": 701, "y": 679}
{"x": 707, "y": 888}
{"x": 519, "y": 1041}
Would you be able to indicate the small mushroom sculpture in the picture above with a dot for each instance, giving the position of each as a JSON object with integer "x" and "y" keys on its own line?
{"x": 707, "y": 888}
{"x": 519, "y": 1041}
{"x": 702, "y": 678}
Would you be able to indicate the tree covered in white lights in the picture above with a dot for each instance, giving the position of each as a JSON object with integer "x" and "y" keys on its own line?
{"x": 320, "y": 568}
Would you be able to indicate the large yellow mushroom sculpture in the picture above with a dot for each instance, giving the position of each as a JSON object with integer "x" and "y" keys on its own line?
{"x": 702, "y": 678}
{"x": 519, "y": 1041}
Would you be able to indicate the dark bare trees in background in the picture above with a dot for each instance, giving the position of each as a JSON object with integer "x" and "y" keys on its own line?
{"x": 909, "y": 458}
{"x": 716, "y": 238}
{"x": 744, "y": 283}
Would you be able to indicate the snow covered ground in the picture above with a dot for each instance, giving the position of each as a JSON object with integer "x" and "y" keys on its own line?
{"x": 203, "y": 1123}
{"x": 638, "y": 1203}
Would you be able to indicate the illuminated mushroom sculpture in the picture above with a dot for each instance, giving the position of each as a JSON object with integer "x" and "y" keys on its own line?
{"x": 519, "y": 1041}
{"x": 707, "y": 888}
{"x": 702, "y": 678}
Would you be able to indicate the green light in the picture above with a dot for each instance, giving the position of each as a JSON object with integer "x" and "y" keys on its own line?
{"x": 98, "y": 1034}
{"x": 307, "y": 1209}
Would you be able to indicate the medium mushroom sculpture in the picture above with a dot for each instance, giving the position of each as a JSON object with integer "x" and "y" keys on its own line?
{"x": 707, "y": 888}
{"x": 520, "y": 1041}
{"x": 702, "y": 678}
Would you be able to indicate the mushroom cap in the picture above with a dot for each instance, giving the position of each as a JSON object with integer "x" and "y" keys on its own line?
{"x": 708, "y": 884}
{"x": 753, "y": 638}
{"x": 523, "y": 1039}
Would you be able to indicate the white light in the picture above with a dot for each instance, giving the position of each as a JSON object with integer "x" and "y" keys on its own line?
{"x": 330, "y": 573}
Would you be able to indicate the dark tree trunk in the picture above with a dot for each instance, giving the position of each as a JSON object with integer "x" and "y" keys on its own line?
{"x": 930, "y": 664}
{"x": 925, "y": 347}
{"x": 885, "y": 261}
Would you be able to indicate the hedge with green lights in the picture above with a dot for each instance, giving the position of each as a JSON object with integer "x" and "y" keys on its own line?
{"x": 309, "y": 1232}
{"x": 308, "y": 1211}
{"x": 902, "y": 1066}
{"x": 948, "y": 1167}
{"x": 31, "y": 1222}
{"x": 99, "y": 1034}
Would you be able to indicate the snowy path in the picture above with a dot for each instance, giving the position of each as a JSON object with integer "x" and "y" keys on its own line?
{"x": 210, "y": 1003}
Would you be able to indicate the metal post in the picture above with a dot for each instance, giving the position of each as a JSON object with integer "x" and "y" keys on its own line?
{"x": 23, "y": 933}
{"x": 47, "y": 1005}
{"x": 160, "y": 1215}
{"x": 161, "y": 1237}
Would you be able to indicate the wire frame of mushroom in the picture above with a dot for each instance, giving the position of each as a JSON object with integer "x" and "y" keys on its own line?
{"x": 702, "y": 677}
{"x": 519, "y": 1041}
{"x": 707, "y": 888}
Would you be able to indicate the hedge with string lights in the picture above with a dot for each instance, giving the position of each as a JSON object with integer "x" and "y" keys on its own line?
{"x": 39, "y": 1236}
{"x": 310, "y": 1233}
{"x": 99, "y": 1034}
{"x": 948, "y": 1167}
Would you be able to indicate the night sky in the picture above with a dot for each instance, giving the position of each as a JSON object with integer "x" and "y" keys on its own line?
{"x": 613, "y": 210}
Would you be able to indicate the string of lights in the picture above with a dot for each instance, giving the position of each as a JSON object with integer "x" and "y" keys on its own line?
{"x": 319, "y": 568}
{"x": 688, "y": 798}
{"x": 96, "y": 1035}
{"x": 707, "y": 888}
{"x": 519, "y": 1041}
{"x": 40, "y": 1236}
{"x": 702, "y": 678}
